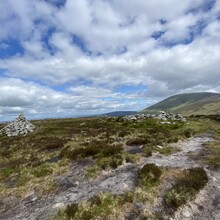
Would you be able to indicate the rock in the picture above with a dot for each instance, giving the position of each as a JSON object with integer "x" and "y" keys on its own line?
{"x": 30, "y": 197}
{"x": 58, "y": 205}
{"x": 159, "y": 146}
{"x": 18, "y": 127}
{"x": 166, "y": 122}
{"x": 163, "y": 116}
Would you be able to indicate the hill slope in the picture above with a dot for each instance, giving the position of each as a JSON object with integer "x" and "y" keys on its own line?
{"x": 203, "y": 103}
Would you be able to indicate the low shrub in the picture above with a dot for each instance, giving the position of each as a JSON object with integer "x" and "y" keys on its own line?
{"x": 127, "y": 197}
{"x": 147, "y": 152}
{"x": 110, "y": 162}
{"x": 213, "y": 161}
{"x": 92, "y": 171}
{"x": 131, "y": 158}
{"x": 6, "y": 172}
{"x": 23, "y": 179}
{"x": 95, "y": 151}
{"x": 95, "y": 200}
{"x": 188, "y": 133}
{"x": 49, "y": 143}
{"x": 53, "y": 146}
{"x": 168, "y": 150}
{"x": 212, "y": 155}
{"x": 172, "y": 140}
{"x": 149, "y": 175}
{"x": 115, "y": 162}
{"x": 42, "y": 171}
{"x": 137, "y": 141}
{"x": 186, "y": 188}
{"x": 123, "y": 133}
{"x": 97, "y": 207}
{"x": 71, "y": 210}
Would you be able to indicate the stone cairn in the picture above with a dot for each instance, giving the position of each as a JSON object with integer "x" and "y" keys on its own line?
{"x": 163, "y": 116}
{"x": 18, "y": 127}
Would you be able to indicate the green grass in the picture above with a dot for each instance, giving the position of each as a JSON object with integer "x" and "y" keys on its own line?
{"x": 30, "y": 158}
{"x": 103, "y": 206}
{"x": 212, "y": 156}
{"x": 189, "y": 104}
{"x": 97, "y": 206}
{"x": 110, "y": 163}
{"x": 6, "y": 172}
{"x": 95, "y": 150}
{"x": 43, "y": 170}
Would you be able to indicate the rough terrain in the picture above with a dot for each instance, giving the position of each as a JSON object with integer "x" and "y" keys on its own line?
{"x": 75, "y": 187}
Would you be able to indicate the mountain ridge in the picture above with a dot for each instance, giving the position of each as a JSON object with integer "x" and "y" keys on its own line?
{"x": 200, "y": 103}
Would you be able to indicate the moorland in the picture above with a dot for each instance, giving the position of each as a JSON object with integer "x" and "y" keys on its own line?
{"x": 107, "y": 168}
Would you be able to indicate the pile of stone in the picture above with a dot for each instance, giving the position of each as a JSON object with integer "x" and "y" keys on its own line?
{"x": 163, "y": 116}
{"x": 170, "y": 116}
{"x": 137, "y": 117}
{"x": 18, "y": 127}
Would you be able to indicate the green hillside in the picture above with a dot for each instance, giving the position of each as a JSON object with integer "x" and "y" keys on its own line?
{"x": 203, "y": 103}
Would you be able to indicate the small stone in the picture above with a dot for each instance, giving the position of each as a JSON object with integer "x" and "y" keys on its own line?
{"x": 159, "y": 146}
{"x": 186, "y": 214}
{"x": 58, "y": 205}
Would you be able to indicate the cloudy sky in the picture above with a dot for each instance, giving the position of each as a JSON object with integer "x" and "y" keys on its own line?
{"x": 63, "y": 58}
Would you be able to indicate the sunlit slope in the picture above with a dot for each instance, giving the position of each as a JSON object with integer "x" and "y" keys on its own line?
{"x": 189, "y": 104}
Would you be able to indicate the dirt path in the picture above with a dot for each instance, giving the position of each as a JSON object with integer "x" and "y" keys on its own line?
{"x": 75, "y": 187}
{"x": 206, "y": 206}
{"x": 181, "y": 158}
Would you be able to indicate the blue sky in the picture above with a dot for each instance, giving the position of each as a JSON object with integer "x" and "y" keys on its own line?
{"x": 63, "y": 58}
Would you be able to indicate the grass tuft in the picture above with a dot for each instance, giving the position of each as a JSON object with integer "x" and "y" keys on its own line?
{"x": 149, "y": 175}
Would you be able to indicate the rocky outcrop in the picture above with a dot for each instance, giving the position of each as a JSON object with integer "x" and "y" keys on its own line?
{"x": 164, "y": 116}
{"x": 18, "y": 127}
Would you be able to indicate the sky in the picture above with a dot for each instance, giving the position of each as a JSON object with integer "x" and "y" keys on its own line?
{"x": 68, "y": 58}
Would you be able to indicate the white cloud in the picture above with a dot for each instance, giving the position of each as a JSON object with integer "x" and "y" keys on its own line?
{"x": 113, "y": 47}
{"x": 36, "y": 100}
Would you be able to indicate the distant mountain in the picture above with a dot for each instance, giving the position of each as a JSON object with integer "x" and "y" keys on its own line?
{"x": 203, "y": 103}
{"x": 117, "y": 114}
